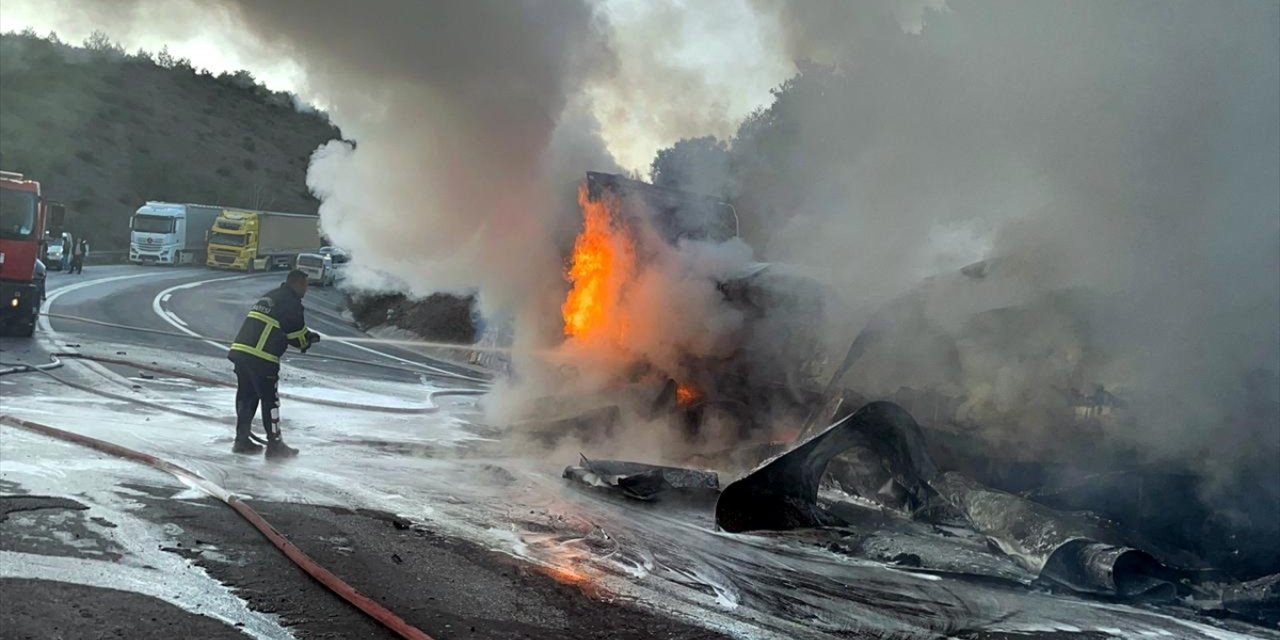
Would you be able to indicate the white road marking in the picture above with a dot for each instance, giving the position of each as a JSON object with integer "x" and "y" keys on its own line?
{"x": 387, "y": 355}
{"x": 172, "y": 318}
{"x": 54, "y": 343}
{"x": 60, "y": 291}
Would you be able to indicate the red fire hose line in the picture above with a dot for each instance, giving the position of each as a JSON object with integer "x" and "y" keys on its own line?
{"x": 325, "y": 577}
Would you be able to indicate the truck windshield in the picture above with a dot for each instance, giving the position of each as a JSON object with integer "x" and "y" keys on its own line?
{"x": 17, "y": 214}
{"x": 153, "y": 224}
{"x": 235, "y": 240}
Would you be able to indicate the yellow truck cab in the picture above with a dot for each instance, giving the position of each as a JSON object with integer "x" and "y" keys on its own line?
{"x": 247, "y": 240}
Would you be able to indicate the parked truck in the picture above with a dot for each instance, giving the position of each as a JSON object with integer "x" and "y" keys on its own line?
{"x": 23, "y": 214}
{"x": 170, "y": 233}
{"x": 246, "y": 240}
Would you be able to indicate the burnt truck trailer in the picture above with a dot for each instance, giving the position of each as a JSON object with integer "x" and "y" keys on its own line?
{"x": 773, "y": 370}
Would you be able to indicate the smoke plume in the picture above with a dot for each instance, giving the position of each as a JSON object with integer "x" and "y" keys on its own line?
{"x": 1119, "y": 161}
{"x": 454, "y": 111}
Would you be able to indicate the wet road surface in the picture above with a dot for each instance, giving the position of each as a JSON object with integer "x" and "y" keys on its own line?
{"x": 444, "y": 470}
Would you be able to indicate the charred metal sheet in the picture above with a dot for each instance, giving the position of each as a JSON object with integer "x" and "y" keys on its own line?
{"x": 641, "y": 481}
{"x": 1076, "y": 552}
{"x": 783, "y": 492}
{"x": 1257, "y": 599}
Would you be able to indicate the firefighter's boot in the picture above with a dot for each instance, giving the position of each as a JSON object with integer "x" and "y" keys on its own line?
{"x": 244, "y": 444}
{"x": 278, "y": 449}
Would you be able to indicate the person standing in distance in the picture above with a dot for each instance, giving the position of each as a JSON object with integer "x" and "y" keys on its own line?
{"x": 78, "y": 254}
{"x": 274, "y": 323}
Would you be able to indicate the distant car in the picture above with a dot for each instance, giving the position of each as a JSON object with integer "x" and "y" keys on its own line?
{"x": 318, "y": 267}
{"x": 340, "y": 259}
{"x": 57, "y": 254}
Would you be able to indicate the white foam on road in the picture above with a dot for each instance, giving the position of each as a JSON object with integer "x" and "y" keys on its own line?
{"x": 58, "y": 468}
{"x": 432, "y": 467}
{"x": 204, "y": 596}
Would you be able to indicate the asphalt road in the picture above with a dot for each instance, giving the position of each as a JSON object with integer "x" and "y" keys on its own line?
{"x": 96, "y": 547}
{"x": 211, "y": 304}
{"x": 486, "y": 541}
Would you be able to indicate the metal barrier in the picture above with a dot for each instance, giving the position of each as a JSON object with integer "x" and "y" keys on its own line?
{"x": 106, "y": 257}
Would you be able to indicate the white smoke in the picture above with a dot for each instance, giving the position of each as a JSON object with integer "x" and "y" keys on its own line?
{"x": 1126, "y": 148}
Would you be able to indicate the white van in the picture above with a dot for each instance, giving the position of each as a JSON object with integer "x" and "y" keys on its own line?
{"x": 318, "y": 267}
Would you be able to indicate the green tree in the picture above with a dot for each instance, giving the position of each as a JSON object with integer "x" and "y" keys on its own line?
{"x": 694, "y": 164}
{"x": 100, "y": 42}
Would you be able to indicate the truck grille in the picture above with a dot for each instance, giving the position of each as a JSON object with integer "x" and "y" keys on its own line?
{"x": 222, "y": 258}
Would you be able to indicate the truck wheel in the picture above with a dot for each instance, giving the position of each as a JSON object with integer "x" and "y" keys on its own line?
{"x": 26, "y": 329}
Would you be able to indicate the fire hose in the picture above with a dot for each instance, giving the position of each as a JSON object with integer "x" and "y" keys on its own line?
{"x": 12, "y": 368}
{"x": 432, "y": 371}
{"x": 366, "y": 605}
{"x": 57, "y": 362}
{"x": 297, "y": 556}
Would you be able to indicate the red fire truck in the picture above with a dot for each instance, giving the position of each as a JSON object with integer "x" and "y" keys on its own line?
{"x": 23, "y": 214}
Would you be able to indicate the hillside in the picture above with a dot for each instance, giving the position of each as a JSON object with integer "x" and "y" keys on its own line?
{"x": 105, "y": 131}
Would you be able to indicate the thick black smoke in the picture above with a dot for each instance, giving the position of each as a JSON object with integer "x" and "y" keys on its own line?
{"x": 1126, "y": 155}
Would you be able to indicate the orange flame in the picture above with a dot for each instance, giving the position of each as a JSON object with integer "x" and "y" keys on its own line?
{"x": 604, "y": 260}
{"x": 687, "y": 394}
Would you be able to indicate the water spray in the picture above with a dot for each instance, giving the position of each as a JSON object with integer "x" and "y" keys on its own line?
{"x": 422, "y": 343}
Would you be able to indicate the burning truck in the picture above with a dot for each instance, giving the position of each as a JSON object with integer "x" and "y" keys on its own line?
{"x": 814, "y": 443}
{"x": 665, "y": 291}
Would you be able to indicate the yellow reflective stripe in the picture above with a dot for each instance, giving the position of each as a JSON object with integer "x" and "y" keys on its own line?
{"x": 236, "y": 346}
{"x": 300, "y": 335}
{"x": 262, "y": 337}
{"x": 258, "y": 315}
{"x": 269, "y": 324}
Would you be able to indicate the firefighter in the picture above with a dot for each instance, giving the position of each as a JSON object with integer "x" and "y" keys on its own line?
{"x": 275, "y": 321}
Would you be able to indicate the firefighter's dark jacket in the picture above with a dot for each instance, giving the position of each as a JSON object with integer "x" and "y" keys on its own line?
{"x": 274, "y": 323}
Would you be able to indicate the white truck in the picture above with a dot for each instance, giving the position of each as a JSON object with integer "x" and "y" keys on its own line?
{"x": 170, "y": 233}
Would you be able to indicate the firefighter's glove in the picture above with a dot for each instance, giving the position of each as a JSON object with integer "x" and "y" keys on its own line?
{"x": 312, "y": 339}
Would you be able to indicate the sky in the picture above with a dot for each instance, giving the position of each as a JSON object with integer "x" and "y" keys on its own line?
{"x": 684, "y": 68}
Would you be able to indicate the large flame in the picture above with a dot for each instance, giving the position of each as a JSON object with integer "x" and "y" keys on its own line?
{"x": 604, "y": 260}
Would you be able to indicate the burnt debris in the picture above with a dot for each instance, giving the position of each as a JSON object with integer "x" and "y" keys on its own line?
{"x": 783, "y": 492}
{"x": 641, "y": 481}
{"x": 870, "y": 471}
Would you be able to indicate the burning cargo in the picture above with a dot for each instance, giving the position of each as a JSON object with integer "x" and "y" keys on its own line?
{"x": 664, "y": 292}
